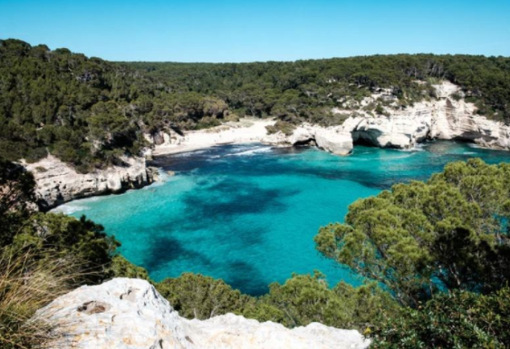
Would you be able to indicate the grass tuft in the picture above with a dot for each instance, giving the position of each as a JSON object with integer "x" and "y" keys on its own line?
{"x": 26, "y": 285}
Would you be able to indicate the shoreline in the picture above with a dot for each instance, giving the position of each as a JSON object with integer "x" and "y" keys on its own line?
{"x": 444, "y": 118}
{"x": 159, "y": 176}
{"x": 244, "y": 131}
{"x": 190, "y": 149}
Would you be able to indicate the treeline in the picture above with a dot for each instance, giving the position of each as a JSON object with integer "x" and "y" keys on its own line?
{"x": 90, "y": 112}
{"x": 308, "y": 89}
{"x": 435, "y": 257}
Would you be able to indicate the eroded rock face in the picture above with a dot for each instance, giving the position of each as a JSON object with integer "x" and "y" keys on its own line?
{"x": 332, "y": 139}
{"x": 445, "y": 118}
{"x": 335, "y": 141}
{"x": 57, "y": 182}
{"x": 442, "y": 118}
{"x": 131, "y": 314}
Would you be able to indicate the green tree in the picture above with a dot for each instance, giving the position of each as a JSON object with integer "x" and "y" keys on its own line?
{"x": 419, "y": 238}
{"x": 304, "y": 299}
{"x": 201, "y": 297}
{"x": 16, "y": 199}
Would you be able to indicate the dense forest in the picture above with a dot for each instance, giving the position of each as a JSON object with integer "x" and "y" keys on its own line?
{"x": 309, "y": 89}
{"x": 435, "y": 254}
{"x": 90, "y": 112}
{"x": 86, "y": 111}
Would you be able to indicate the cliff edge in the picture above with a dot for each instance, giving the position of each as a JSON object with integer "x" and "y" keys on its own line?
{"x": 57, "y": 182}
{"x": 131, "y": 314}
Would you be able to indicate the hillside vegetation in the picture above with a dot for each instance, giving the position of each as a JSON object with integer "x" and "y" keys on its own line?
{"x": 86, "y": 111}
{"x": 308, "y": 89}
{"x": 90, "y": 112}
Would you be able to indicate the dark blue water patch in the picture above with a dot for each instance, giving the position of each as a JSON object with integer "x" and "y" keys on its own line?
{"x": 231, "y": 197}
{"x": 166, "y": 249}
{"x": 248, "y": 214}
{"x": 245, "y": 276}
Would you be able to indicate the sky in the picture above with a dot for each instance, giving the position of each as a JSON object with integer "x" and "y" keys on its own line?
{"x": 258, "y": 30}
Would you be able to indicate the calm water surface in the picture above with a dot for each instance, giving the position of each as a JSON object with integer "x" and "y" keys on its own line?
{"x": 248, "y": 213}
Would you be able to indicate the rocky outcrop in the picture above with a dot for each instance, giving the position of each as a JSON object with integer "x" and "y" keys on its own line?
{"x": 57, "y": 182}
{"x": 332, "y": 139}
{"x": 447, "y": 117}
{"x": 335, "y": 141}
{"x": 131, "y": 314}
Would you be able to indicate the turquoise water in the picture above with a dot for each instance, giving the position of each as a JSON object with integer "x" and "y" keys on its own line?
{"x": 248, "y": 213}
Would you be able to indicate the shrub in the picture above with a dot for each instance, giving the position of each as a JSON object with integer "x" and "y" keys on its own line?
{"x": 201, "y": 297}
{"x": 455, "y": 320}
{"x": 281, "y": 126}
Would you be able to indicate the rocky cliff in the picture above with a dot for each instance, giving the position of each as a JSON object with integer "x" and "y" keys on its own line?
{"x": 57, "y": 182}
{"x": 447, "y": 116}
{"x": 332, "y": 139}
{"x": 131, "y": 314}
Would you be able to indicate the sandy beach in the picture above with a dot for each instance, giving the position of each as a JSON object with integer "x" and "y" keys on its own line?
{"x": 247, "y": 130}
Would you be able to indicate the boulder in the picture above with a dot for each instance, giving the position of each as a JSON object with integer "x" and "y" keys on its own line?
{"x": 332, "y": 139}
{"x": 339, "y": 143}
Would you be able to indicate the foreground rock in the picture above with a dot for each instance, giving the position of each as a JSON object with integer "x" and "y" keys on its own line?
{"x": 131, "y": 314}
{"x": 57, "y": 182}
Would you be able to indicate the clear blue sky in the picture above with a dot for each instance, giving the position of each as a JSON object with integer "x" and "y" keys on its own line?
{"x": 240, "y": 31}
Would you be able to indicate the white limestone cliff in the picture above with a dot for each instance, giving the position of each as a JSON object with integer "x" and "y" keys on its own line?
{"x": 131, "y": 314}
{"x": 57, "y": 182}
{"x": 445, "y": 117}
{"x": 332, "y": 139}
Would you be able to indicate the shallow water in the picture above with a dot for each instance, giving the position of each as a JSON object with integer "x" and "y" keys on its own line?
{"x": 248, "y": 213}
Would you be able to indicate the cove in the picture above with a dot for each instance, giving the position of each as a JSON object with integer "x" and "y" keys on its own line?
{"x": 248, "y": 213}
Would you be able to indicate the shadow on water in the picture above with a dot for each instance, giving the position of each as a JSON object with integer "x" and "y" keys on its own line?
{"x": 165, "y": 249}
{"x": 241, "y": 275}
{"x": 216, "y": 204}
{"x": 229, "y": 198}
{"x": 246, "y": 277}
{"x": 241, "y": 199}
